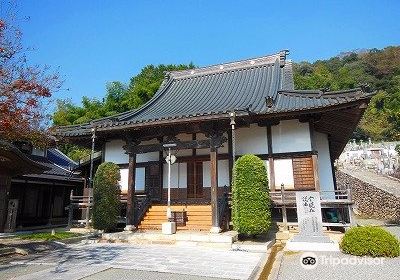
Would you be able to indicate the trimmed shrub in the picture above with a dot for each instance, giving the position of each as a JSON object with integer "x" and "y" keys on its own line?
{"x": 251, "y": 213}
{"x": 370, "y": 241}
{"x": 106, "y": 197}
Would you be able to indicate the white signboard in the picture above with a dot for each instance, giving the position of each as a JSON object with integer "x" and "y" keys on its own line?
{"x": 309, "y": 213}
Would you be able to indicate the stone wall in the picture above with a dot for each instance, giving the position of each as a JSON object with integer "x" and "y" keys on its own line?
{"x": 369, "y": 200}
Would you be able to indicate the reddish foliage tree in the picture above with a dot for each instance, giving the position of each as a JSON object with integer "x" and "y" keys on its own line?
{"x": 24, "y": 90}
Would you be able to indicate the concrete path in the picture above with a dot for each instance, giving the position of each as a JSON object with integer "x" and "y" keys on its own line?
{"x": 381, "y": 182}
{"x": 133, "y": 261}
{"x": 338, "y": 266}
{"x": 393, "y": 228}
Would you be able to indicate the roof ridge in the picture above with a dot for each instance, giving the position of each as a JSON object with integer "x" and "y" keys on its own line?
{"x": 229, "y": 66}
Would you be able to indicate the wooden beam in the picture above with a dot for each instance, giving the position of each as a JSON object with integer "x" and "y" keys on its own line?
{"x": 180, "y": 145}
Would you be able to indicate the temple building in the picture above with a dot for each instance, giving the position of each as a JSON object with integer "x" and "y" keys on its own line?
{"x": 213, "y": 115}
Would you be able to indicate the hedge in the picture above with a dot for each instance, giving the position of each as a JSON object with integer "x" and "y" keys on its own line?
{"x": 251, "y": 213}
{"x": 107, "y": 205}
{"x": 370, "y": 241}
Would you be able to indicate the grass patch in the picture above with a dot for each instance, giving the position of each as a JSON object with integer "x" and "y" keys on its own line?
{"x": 46, "y": 236}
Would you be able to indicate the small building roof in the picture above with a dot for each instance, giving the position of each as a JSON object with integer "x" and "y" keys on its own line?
{"x": 13, "y": 162}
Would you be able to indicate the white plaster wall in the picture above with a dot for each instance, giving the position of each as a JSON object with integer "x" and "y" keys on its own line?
{"x": 206, "y": 174}
{"x": 123, "y": 183}
{"x": 139, "y": 179}
{"x": 291, "y": 136}
{"x": 251, "y": 140}
{"x": 223, "y": 173}
{"x": 114, "y": 152}
{"x": 284, "y": 173}
{"x": 324, "y": 162}
{"x": 178, "y": 175}
{"x": 153, "y": 156}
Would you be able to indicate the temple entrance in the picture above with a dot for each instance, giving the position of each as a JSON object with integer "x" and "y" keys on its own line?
{"x": 195, "y": 179}
{"x": 152, "y": 177}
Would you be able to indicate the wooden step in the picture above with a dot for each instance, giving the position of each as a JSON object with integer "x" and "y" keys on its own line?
{"x": 198, "y": 217}
{"x": 182, "y": 207}
{"x": 191, "y": 227}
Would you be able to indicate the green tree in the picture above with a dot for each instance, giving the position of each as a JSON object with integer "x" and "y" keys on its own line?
{"x": 106, "y": 204}
{"x": 378, "y": 68}
{"x": 251, "y": 212}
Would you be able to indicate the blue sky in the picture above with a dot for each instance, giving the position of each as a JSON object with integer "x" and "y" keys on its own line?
{"x": 94, "y": 42}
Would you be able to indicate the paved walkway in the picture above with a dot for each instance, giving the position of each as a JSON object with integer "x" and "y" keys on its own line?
{"x": 381, "y": 182}
{"x": 338, "y": 266}
{"x": 133, "y": 261}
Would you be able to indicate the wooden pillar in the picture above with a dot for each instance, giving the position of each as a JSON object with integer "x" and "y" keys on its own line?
{"x": 5, "y": 184}
{"x": 214, "y": 189}
{"x": 130, "y": 206}
{"x": 316, "y": 173}
{"x": 230, "y": 158}
{"x": 270, "y": 160}
{"x": 314, "y": 156}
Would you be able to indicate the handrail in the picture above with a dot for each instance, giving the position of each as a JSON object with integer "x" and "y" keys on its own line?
{"x": 141, "y": 206}
{"x": 223, "y": 206}
{"x": 334, "y": 196}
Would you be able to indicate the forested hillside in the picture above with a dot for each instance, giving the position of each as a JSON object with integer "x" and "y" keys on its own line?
{"x": 378, "y": 68}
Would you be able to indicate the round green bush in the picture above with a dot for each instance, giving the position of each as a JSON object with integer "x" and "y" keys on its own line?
{"x": 251, "y": 213}
{"x": 106, "y": 207}
{"x": 370, "y": 241}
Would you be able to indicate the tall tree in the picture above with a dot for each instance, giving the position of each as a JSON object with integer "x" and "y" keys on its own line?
{"x": 24, "y": 88}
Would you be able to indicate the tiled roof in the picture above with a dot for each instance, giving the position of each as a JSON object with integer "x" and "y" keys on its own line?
{"x": 53, "y": 171}
{"x": 59, "y": 158}
{"x": 297, "y": 100}
{"x": 219, "y": 89}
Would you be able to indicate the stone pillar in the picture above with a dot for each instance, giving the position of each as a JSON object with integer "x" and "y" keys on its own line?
{"x": 130, "y": 205}
{"x": 214, "y": 190}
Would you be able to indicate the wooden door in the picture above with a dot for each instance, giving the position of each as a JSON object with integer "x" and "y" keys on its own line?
{"x": 303, "y": 174}
{"x": 195, "y": 179}
{"x": 152, "y": 181}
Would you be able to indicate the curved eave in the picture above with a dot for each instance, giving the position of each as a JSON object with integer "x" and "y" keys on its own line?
{"x": 13, "y": 162}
